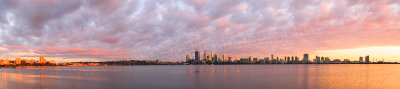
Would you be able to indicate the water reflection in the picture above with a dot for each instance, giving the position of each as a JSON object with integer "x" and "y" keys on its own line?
{"x": 202, "y": 77}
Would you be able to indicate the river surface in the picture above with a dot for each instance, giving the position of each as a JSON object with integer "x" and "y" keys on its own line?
{"x": 275, "y": 76}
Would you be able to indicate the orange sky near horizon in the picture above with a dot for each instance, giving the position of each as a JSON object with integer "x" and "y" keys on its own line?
{"x": 97, "y": 30}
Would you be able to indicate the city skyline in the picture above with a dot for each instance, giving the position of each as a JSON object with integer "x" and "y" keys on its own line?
{"x": 306, "y": 59}
{"x": 101, "y": 30}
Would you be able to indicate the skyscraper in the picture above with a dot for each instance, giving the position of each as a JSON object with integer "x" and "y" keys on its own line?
{"x": 215, "y": 58}
{"x": 285, "y": 59}
{"x": 305, "y": 58}
{"x": 212, "y": 54}
{"x": 272, "y": 56}
{"x": 42, "y": 60}
{"x": 17, "y": 61}
{"x": 188, "y": 59}
{"x": 197, "y": 55}
{"x": 255, "y": 60}
{"x": 367, "y": 59}
{"x": 205, "y": 54}
{"x": 317, "y": 59}
{"x": 230, "y": 59}
{"x": 322, "y": 60}
{"x": 267, "y": 60}
{"x": 361, "y": 60}
{"x": 327, "y": 60}
{"x": 250, "y": 59}
{"x": 292, "y": 61}
{"x": 223, "y": 58}
{"x": 237, "y": 58}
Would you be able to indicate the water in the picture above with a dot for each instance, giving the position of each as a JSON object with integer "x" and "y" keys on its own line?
{"x": 331, "y": 76}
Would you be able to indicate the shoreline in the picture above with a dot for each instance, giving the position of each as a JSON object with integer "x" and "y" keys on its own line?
{"x": 22, "y": 66}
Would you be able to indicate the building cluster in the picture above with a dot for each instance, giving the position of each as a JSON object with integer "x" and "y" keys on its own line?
{"x": 19, "y": 61}
{"x": 214, "y": 58}
{"x": 121, "y": 62}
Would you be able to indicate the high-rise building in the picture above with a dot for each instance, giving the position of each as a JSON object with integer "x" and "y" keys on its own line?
{"x": 296, "y": 59}
{"x": 223, "y": 58}
{"x": 255, "y": 60}
{"x": 237, "y": 58}
{"x": 212, "y": 53}
{"x": 24, "y": 61}
{"x": 361, "y": 60}
{"x": 17, "y": 61}
{"x": 285, "y": 59}
{"x": 305, "y": 58}
{"x": 267, "y": 60}
{"x": 197, "y": 55}
{"x": 322, "y": 60}
{"x": 327, "y": 60}
{"x": 215, "y": 58}
{"x": 188, "y": 59}
{"x": 42, "y": 60}
{"x": 292, "y": 60}
{"x": 272, "y": 56}
{"x": 278, "y": 60}
{"x": 250, "y": 59}
{"x": 205, "y": 54}
{"x": 230, "y": 59}
{"x": 318, "y": 59}
{"x": 367, "y": 59}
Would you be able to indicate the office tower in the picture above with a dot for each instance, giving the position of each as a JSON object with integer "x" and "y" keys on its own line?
{"x": 272, "y": 56}
{"x": 285, "y": 59}
{"x": 292, "y": 60}
{"x": 255, "y": 60}
{"x": 42, "y": 60}
{"x": 277, "y": 60}
{"x": 361, "y": 60}
{"x": 367, "y": 59}
{"x": 208, "y": 58}
{"x": 17, "y": 61}
{"x": 322, "y": 60}
{"x": 317, "y": 59}
{"x": 296, "y": 59}
{"x": 24, "y": 61}
{"x": 205, "y": 54}
{"x": 230, "y": 59}
{"x": 223, "y": 58}
{"x": 187, "y": 59}
{"x": 215, "y": 58}
{"x": 244, "y": 60}
{"x": 267, "y": 60}
{"x": 250, "y": 59}
{"x": 197, "y": 55}
{"x": 305, "y": 58}
{"x": 212, "y": 54}
{"x": 327, "y": 60}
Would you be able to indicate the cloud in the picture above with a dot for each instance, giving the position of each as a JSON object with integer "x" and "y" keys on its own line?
{"x": 170, "y": 29}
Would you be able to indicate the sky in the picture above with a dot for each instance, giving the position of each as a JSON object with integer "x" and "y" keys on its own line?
{"x": 98, "y": 30}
